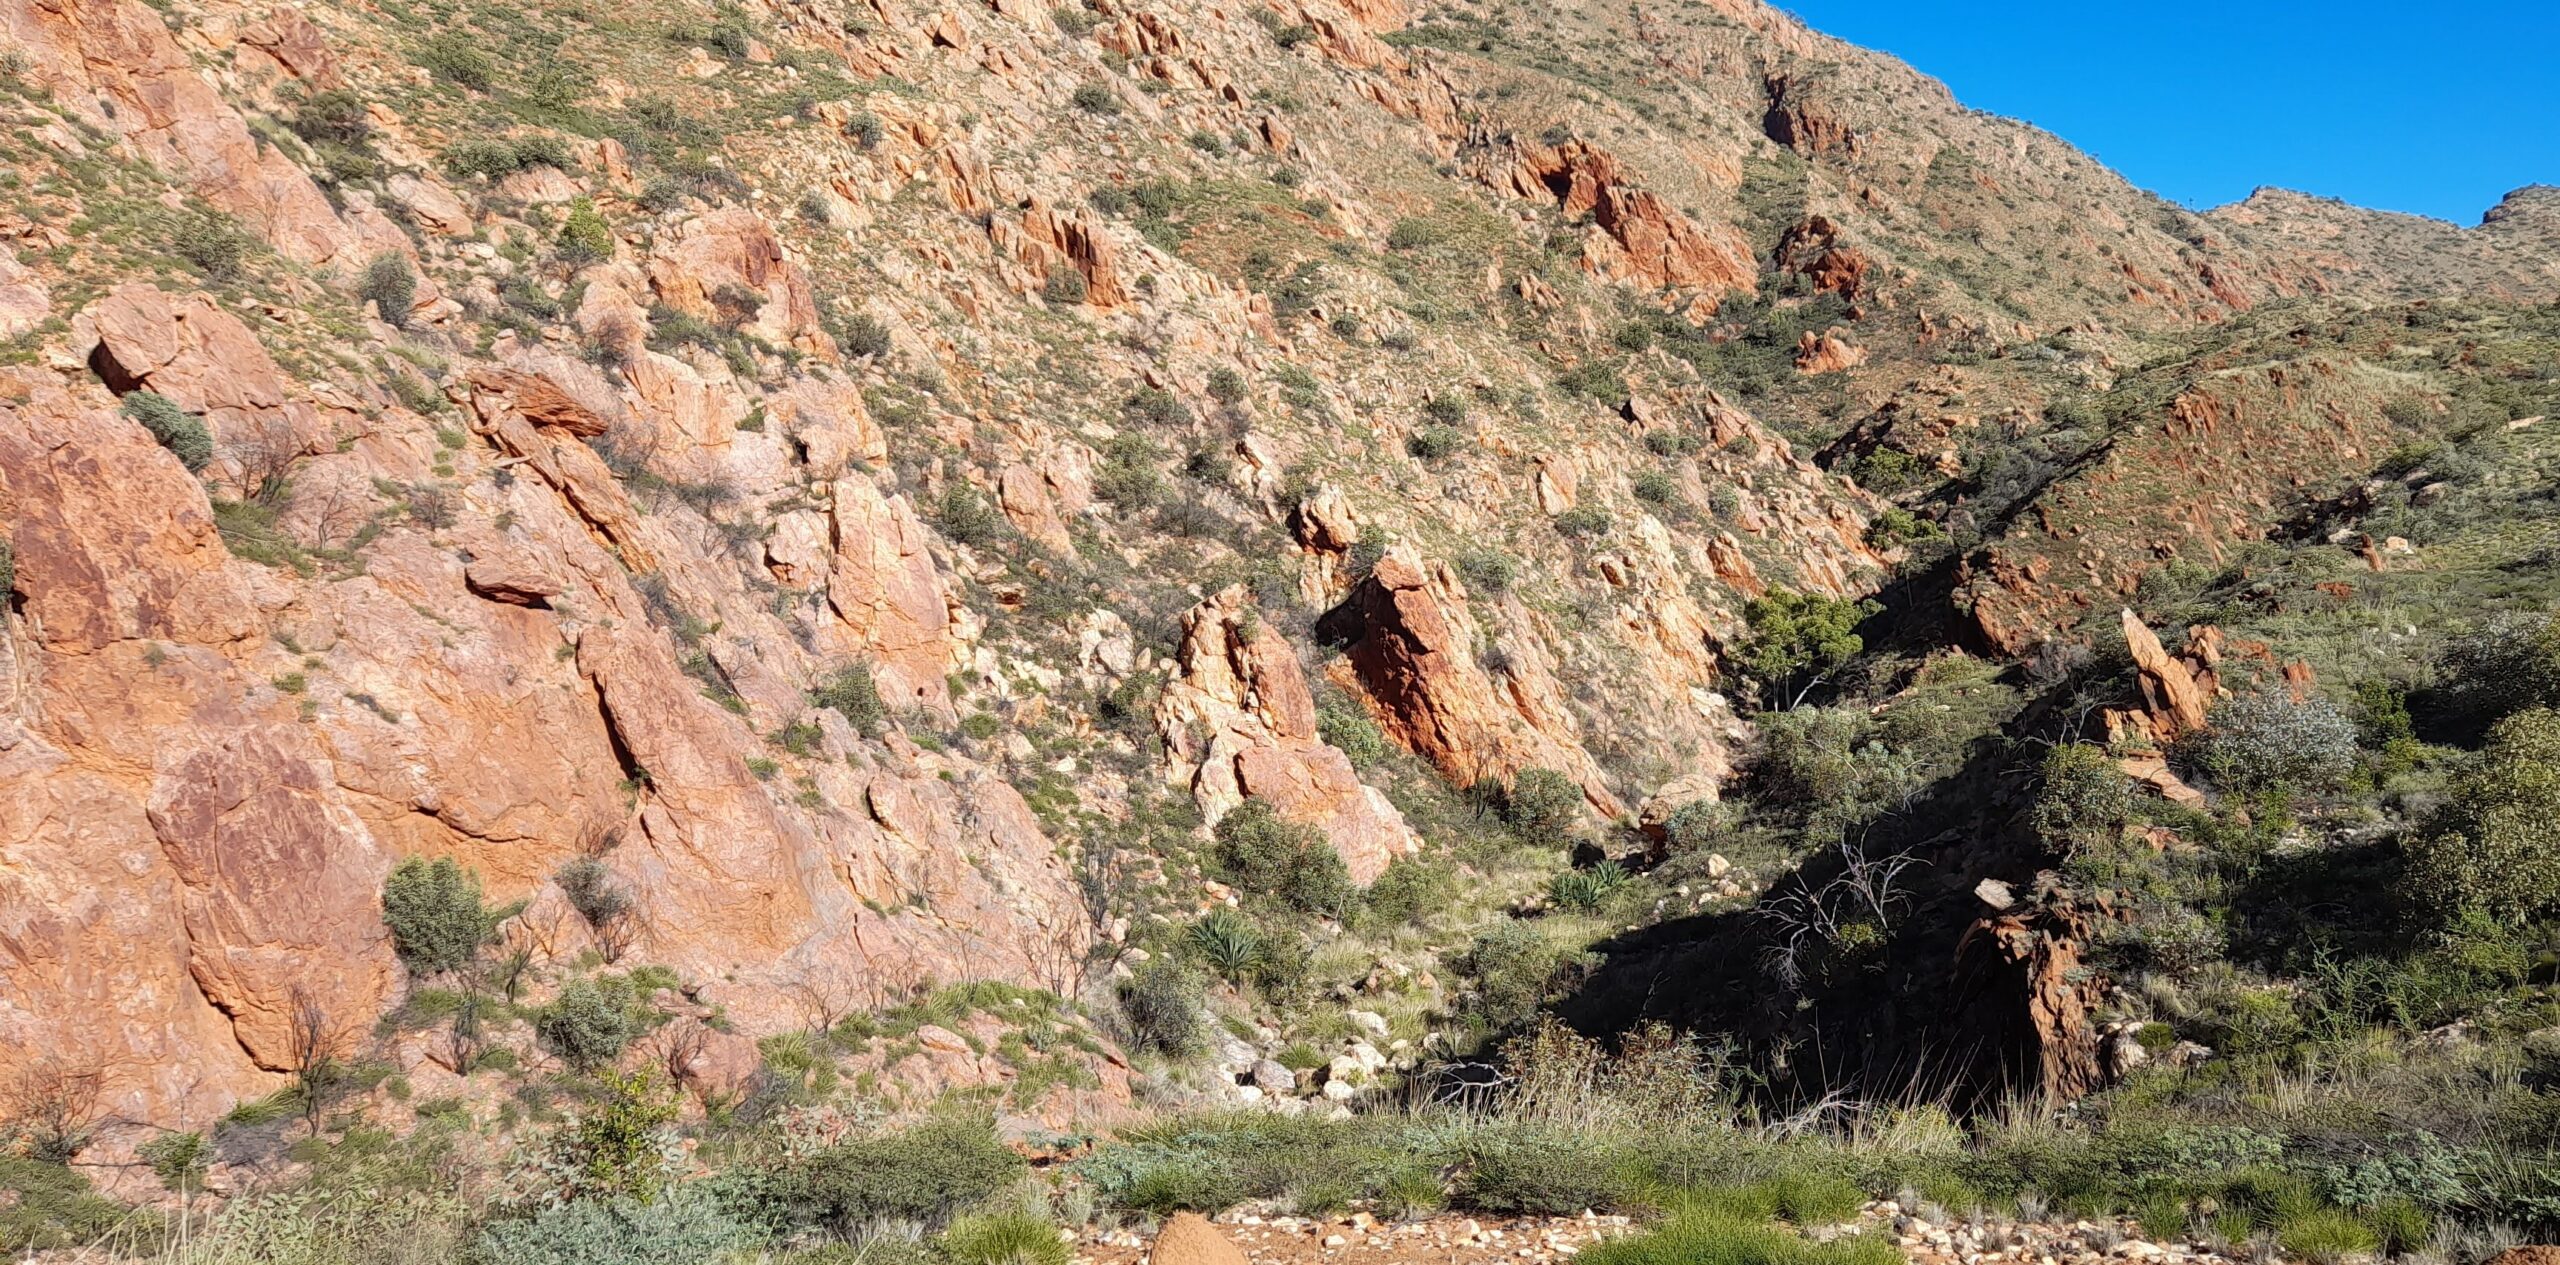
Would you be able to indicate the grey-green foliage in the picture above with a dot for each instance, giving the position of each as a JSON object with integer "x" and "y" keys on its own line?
{"x": 1268, "y": 855}
{"x": 437, "y": 919}
{"x": 1541, "y": 802}
{"x": 179, "y": 431}
{"x": 923, "y": 1174}
{"x": 855, "y": 694}
{"x": 388, "y": 284}
{"x": 2494, "y": 848}
{"x": 1349, "y": 729}
{"x": 2268, "y": 741}
{"x": 684, "y": 1224}
{"x": 592, "y": 1021}
{"x": 1161, "y": 1003}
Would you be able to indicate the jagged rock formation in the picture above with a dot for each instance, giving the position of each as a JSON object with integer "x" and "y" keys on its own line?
{"x": 723, "y": 367}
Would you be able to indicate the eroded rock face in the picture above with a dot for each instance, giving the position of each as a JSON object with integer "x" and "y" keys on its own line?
{"x": 192, "y": 847}
{"x": 1239, "y": 723}
{"x": 1409, "y": 653}
{"x": 115, "y": 63}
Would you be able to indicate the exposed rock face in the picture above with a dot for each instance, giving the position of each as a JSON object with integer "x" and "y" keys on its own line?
{"x": 116, "y": 64}
{"x": 1409, "y": 654}
{"x": 1634, "y": 236}
{"x": 2227, "y": 462}
{"x": 1239, "y": 723}
{"x": 885, "y": 591}
{"x": 189, "y": 859}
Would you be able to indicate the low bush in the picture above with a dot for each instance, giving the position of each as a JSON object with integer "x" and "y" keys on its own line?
{"x": 1005, "y": 1238}
{"x": 390, "y": 287}
{"x": 925, "y": 1174}
{"x": 179, "y": 431}
{"x": 685, "y": 1224}
{"x": 1712, "y": 1237}
{"x": 855, "y": 695}
{"x": 1160, "y": 1001}
{"x": 1268, "y": 855}
{"x": 2268, "y": 741}
{"x": 437, "y": 919}
{"x": 592, "y": 1021}
{"x": 2489, "y": 848}
{"x": 1541, "y": 803}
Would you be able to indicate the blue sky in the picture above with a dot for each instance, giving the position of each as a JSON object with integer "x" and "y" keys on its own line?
{"x": 2429, "y": 108}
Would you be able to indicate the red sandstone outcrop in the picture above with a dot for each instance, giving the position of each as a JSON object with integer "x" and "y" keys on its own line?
{"x": 1239, "y": 723}
{"x": 1411, "y": 656}
{"x": 1634, "y": 235}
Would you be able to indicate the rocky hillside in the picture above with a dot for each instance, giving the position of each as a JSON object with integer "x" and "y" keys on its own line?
{"x": 880, "y": 479}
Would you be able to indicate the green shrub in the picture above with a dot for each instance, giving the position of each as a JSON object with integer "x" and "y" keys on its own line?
{"x": 1583, "y": 520}
{"x": 591, "y": 1022}
{"x": 47, "y": 1205}
{"x": 966, "y": 516}
{"x": 2324, "y": 1236}
{"x": 618, "y": 1145}
{"x": 1515, "y": 970}
{"x": 1797, "y": 640}
{"x": 1486, "y": 570}
{"x": 452, "y": 58}
{"x": 855, "y": 695}
{"x": 1094, "y": 98}
{"x": 2269, "y": 742}
{"x": 1065, "y": 286}
{"x": 1410, "y": 234}
{"x": 1406, "y": 891}
{"x": 1696, "y": 825}
{"x": 2492, "y": 848}
{"x": 211, "y": 242}
{"x": 1160, "y": 1001}
{"x": 1541, "y": 803}
{"x": 1656, "y": 486}
{"x": 1549, "y": 1172}
{"x": 862, "y": 334}
{"x": 1808, "y": 1198}
{"x": 923, "y": 1174}
{"x": 179, "y": 431}
{"x": 1265, "y": 854}
{"x": 1227, "y": 386}
{"x": 1155, "y": 406}
{"x": 2084, "y": 798}
{"x": 1005, "y": 1238}
{"x": 1229, "y": 942}
{"x": 584, "y": 236}
{"x": 435, "y": 914}
{"x": 1347, "y": 727}
{"x": 1712, "y": 1237}
{"x": 390, "y": 287}
{"x": 336, "y": 116}
{"x": 685, "y": 1224}
{"x": 1584, "y": 891}
{"x": 1435, "y": 443}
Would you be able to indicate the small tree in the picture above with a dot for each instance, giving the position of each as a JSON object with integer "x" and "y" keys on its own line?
{"x": 1541, "y": 803}
{"x": 1161, "y": 1002}
{"x": 584, "y": 236}
{"x": 1269, "y": 855}
{"x": 312, "y": 1044}
{"x": 591, "y": 1022}
{"x": 2495, "y": 846}
{"x": 179, "y": 431}
{"x": 1065, "y": 286}
{"x": 605, "y": 904}
{"x": 1797, "y": 640}
{"x": 2269, "y": 742}
{"x": 437, "y": 919}
{"x": 388, "y": 284}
